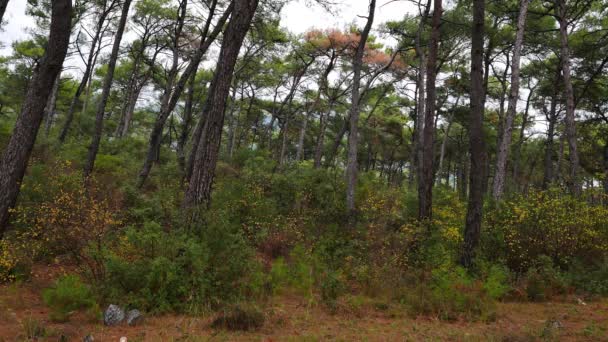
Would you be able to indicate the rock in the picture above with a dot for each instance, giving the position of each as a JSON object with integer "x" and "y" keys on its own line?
{"x": 123, "y": 339}
{"x": 113, "y": 315}
{"x": 88, "y": 338}
{"x": 555, "y": 324}
{"x": 134, "y": 317}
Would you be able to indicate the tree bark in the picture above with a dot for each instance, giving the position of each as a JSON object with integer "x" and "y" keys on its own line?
{"x": 16, "y": 155}
{"x": 425, "y": 178}
{"x": 472, "y": 228}
{"x": 105, "y": 92}
{"x": 574, "y": 182}
{"x": 203, "y": 171}
{"x": 3, "y": 4}
{"x": 505, "y": 141}
{"x": 353, "y": 133}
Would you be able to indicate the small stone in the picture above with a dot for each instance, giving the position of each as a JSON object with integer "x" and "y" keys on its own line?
{"x": 113, "y": 315}
{"x": 134, "y": 317}
{"x": 88, "y": 338}
{"x": 123, "y": 339}
{"x": 555, "y": 324}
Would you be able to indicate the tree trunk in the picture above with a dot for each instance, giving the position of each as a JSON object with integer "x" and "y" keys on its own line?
{"x": 353, "y": 133}
{"x": 300, "y": 151}
{"x": 476, "y": 142}
{"x": 520, "y": 139}
{"x": 105, "y": 92}
{"x": 49, "y": 110}
{"x": 444, "y": 143}
{"x": 321, "y": 137}
{"x": 606, "y": 172}
{"x": 186, "y": 123}
{"x": 3, "y": 4}
{"x": 172, "y": 97}
{"x": 69, "y": 117}
{"x": 233, "y": 120}
{"x": 421, "y": 87}
{"x": 425, "y": 178}
{"x": 203, "y": 171}
{"x": 17, "y": 152}
{"x": 505, "y": 141}
{"x": 337, "y": 142}
{"x": 573, "y": 182}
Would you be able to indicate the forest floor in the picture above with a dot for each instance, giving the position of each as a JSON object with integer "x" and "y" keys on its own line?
{"x": 290, "y": 318}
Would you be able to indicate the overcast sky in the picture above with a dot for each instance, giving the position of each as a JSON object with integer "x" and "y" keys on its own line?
{"x": 297, "y": 17}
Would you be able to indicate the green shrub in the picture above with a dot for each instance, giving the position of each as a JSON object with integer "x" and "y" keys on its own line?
{"x": 66, "y": 296}
{"x": 181, "y": 270}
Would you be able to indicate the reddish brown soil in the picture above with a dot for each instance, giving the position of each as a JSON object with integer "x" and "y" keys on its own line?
{"x": 292, "y": 318}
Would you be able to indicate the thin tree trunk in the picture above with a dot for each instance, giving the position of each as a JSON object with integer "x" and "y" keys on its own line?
{"x": 337, "y": 142}
{"x": 300, "y": 150}
{"x": 321, "y": 136}
{"x": 87, "y": 73}
{"x": 446, "y": 137}
{"x": 505, "y": 141}
{"x": 476, "y": 142}
{"x": 3, "y": 4}
{"x": 203, "y": 172}
{"x": 520, "y": 140}
{"x": 105, "y": 92}
{"x": 17, "y": 152}
{"x": 425, "y": 178}
{"x": 49, "y": 110}
{"x": 187, "y": 122}
{"x": 172, "y": 97}
{"x": 284, "y": 141}
{"x": 606, "y": 172}
{"x": 353, "y": 134}
{"x": 421, "y": 87}
{"x": 233, "y": 119}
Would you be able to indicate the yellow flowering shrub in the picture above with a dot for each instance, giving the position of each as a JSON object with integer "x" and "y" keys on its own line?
{"x": 64, "y": 221}
{"x": 546, "y": 223}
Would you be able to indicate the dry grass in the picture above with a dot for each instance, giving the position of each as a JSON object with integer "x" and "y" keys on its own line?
{"x": 292, "y": 318}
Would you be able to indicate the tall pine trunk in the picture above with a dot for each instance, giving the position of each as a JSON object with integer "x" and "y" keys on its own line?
{"x": 105, "y": 92}
{"x": 198, "y": 191}
{"x": 505, "y": 141}
{"x": 425, "y": 178}
{"x": 472, "y": 228}
{"x": 17, "y": 152}
{"x": 353, "y": 134}
{"x": 418, "y": 138}
{"x": 574, "y": 182}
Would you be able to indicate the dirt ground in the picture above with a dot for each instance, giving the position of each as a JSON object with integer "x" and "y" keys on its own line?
{"x": 291, "y": 318}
